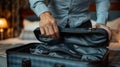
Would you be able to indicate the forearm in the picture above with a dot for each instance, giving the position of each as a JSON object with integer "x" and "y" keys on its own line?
{"x": 102, "y": 7}
{"x": 48, "y": 25}
{"x": 38, "y": 6}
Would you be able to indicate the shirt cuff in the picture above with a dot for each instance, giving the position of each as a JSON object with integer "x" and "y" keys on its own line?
{"x": 40, "y": 8}
{"x": 102, "y": 19}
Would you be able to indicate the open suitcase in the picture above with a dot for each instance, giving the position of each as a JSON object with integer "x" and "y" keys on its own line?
{"x": 22, "y": 57}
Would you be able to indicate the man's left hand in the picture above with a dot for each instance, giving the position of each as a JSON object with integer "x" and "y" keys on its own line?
{"x": 104, "y": 27}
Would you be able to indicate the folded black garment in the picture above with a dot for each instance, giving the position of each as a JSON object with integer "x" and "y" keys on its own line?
{"x": 87, "y": 37}
{"x": 62, "y": 51}
{"x": 74, "y": 43}
{"x": 59, "y": 51}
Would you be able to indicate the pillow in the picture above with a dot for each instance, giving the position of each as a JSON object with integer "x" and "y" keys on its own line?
{"x": 27, "y": 35}
{"x": 30, "y": 25}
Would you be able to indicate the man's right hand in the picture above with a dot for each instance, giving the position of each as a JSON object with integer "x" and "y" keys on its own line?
{"x": 48, "y": 25}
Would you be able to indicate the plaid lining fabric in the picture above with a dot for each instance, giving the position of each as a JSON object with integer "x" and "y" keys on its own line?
{"x": 15, "y": 60}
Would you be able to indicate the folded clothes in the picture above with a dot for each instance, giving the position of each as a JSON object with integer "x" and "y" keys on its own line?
{"x": 63, "y": 51}
{"x": 84, "y": 44}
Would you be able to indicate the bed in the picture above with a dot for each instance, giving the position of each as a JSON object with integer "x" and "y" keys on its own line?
{"x": 25, "y": 37}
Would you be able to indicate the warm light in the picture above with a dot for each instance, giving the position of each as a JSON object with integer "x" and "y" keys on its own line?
{"x": 3, "y": 23}
{"x": 1, "y": 30}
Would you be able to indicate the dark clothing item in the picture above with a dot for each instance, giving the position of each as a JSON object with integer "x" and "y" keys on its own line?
{"x": 87, "y": 24}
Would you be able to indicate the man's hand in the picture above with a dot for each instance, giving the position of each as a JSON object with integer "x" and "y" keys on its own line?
{"x": 104, "y": 27}
{"x": 48, "y": 25}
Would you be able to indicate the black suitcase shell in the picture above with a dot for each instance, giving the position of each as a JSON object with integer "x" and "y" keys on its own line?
{"x": 21, "y": 57}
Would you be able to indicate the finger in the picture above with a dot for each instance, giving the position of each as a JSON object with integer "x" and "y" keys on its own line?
{"x": 42, "y": 31}
{"x": 107, "y": 29}
{"x": 56, "y": 30}
{"x": 47, "y": 31}
{"x": 109, "y": 33}
{"x": 94, "y": 26}
{"x": 51, "y": 31}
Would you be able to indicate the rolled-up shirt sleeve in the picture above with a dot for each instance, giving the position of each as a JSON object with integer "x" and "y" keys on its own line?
{"x": 38, "y": 6}
{"x": 102, "y": 8}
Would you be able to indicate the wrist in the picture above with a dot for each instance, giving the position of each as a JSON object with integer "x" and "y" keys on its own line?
{"x": 100, "y": 24}
{"x": 45, "y": 14}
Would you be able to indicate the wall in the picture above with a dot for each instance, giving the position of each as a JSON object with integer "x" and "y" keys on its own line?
{"x": 10, "y": 9}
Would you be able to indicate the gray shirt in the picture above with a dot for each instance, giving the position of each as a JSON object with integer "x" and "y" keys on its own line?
{"x": 72, "y": 12}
